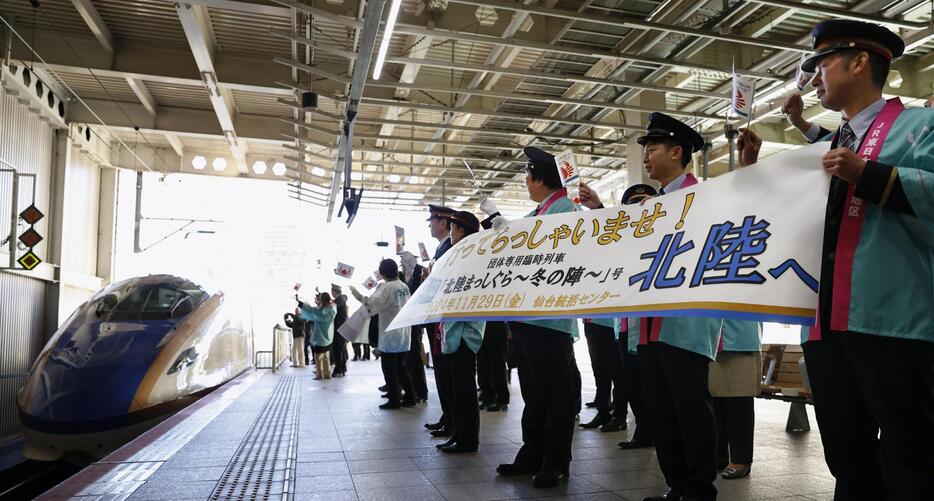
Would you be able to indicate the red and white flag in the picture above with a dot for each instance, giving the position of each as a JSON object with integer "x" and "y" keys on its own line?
{"x": 400, "y": 240}
{"x": 369, "y": 283}
{"x": 344, "y": 270}
{"x": 744, "y": 91}
{"x": 567, "y": 167}
{"x": 423, "y": 251}
{"x": 803, "y": 78}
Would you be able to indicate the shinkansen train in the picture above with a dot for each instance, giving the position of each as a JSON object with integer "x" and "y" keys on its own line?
{"x": 135, "y": 353}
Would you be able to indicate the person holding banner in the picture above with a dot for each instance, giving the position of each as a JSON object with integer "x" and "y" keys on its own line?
{"x": 439, "y": 223}
{"x": 460, "y": 342}
{"x": 491, "y": 359}
{"x": 675, "y": 352}
{"x": 386, "y": 302}
{"x": 629, "y": 389}
{"x": 548, "y": 375}
{"x": 413, "y": 359}
{"x": 870, "y": 358}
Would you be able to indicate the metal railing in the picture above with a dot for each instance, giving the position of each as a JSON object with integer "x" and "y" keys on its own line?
{"x": 281, "y": 348}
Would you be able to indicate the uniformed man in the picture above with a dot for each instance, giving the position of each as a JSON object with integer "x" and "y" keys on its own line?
{"x": 629, "y": 390}
{"x": 439, "y": 223}
{"x": 870, "y": 358}
{"x": 674, "y": 352}
{"x": 548, "y": 375}
{"x": 460, "y": 342}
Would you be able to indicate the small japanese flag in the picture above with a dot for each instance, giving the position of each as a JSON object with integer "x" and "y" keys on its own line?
{"x": 297, "y": 286}
{"x": 802, "y": 78}
{"x": 744, "y": 90}
{"x": 344, "y": 270}
{"x": 567, "y": 167}
{"x": 369, "y": 283}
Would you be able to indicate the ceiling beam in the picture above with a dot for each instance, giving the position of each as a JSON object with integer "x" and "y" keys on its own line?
{"x": 632, "y": 22}
{"x": 95, "y": 23}
{"x": 176, "y": 143}
{"x": 198, "y": 31}
{"x": 841, "y": 14}
{"x": 142, "y": 93}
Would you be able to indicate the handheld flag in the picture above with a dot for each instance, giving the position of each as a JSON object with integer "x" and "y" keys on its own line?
{"x": 744, "y": 90}
{"x": 803, "y": 78}
{"x": 344, "y": 270}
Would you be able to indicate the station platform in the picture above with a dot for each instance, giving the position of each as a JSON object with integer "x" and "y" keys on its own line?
{"x": 283, "y": 435}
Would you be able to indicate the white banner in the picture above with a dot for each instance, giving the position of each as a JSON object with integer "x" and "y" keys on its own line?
{"x": 743, "y": 245}
{"x": 357, "y": 327}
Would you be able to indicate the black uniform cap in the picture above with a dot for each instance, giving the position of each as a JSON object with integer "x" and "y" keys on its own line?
{"x": 467, "y": 221}
{"x": 439, "y": 212}
{"x": 542, "y": 164}
{"x": 637, "y": 192}
{"x": 835, "y": 35}
{"x": 662, "y": 126}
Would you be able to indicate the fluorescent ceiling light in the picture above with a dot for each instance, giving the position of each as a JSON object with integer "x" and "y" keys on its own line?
{"x": 199, "y": 162}
{"x": 278, "y": 168}
{"x": 219, "y": 164}
{"x": 356, "y": 176}
{"x": 411, "y": 196}
{"x": 318, "y": 171}
{"x": 259, "y": 167}
{"x": 387, "y": 36}
{"x": 394, "y": 178}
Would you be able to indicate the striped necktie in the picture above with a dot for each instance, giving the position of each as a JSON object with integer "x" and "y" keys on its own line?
{"x": 847, "y": 137}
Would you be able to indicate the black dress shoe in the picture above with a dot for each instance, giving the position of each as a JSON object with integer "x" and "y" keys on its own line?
{"x": 390, "y": 405}
{"x": 446, "y": 444}
{"x": 384, "y": 395}
{"x": 671, "y": 495}
{"x": 443, "y": 432}
{"x": 458, "y": 448}
{"x": 734, "y": 473}
{"x": 383, "y": 388}
{"x": 598, "y": 421}
{"x": 615, "y": 424}
{"x": 497, "y": 407}
{"x": 548, "y": 479}
{"x": 484, "y": 404}
{"x": 434, "y": 426}
{"x": 409, "y": 403}
{"x": 515, "y": 469}
{"x": 591, "y": 404}
{"x": 634, "y": 444}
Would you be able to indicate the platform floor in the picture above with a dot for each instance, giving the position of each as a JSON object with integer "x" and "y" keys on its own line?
{"x": 287, "y": 436}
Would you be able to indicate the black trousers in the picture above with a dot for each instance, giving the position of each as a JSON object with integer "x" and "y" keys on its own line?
{"x": 339, "y": 354}
{"x": 397, "y": 378}
{"x": 684, "y": 428}
{"x": 864, "y": 384}
{"x": 415, "y": 365}
{"x": 607, "y": 367}
{"x": 361, "y": 351}
{"x": 736, "y": 426}
{"x": 462, "y": 386}
{"x": 442, "y": 373}
{"x": 308, "y": 358}
{"x": 491, "y": 364}
{"x": 550, "y": 384}
{"x": 633, "y": 394}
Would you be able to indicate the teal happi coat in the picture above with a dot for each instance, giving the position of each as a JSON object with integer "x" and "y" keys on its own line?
{"x": 891, "y": 282}
{"x": 569, "y": 325}
{"x": 695, "y": 334}
{"x": 323, "y": 319}
{"x": 456, "y": 333}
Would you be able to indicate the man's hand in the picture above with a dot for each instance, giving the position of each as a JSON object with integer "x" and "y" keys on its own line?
{"x": 748, "y": 146}
{"x": 845, "y": 164}
{"x": 589, "y": 197}
{"x": 794, "y": 111}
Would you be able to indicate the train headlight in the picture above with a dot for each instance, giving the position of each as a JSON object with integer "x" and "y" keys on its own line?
{"x": 184, "y": 359}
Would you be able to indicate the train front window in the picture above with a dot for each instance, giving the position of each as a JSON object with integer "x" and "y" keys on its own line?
{"x": 146, "y": 302}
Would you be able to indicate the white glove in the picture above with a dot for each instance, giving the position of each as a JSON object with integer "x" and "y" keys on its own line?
{"x": 487, "y": 206}
{"x": 499, "y": 223}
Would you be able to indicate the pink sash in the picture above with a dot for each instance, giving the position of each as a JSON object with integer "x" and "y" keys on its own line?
{"x": 563, "y": 192}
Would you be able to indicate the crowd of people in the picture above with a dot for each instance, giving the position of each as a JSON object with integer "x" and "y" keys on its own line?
{"x": 690, "y": 381}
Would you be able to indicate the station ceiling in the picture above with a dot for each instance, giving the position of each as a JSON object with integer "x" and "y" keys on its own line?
{"x": 465, "y": 80}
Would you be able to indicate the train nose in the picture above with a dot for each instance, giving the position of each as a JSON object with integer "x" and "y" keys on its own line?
{"x": 67, "y": 401}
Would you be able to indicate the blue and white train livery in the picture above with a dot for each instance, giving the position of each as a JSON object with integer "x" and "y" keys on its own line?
{"x": 135, "y": 353}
